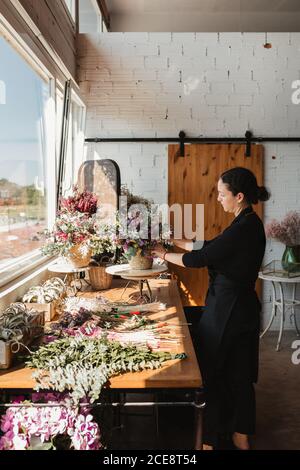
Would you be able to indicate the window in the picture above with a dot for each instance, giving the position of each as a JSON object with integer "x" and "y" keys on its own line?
{"x": 74, "y": 155}
{"x": 71, "y": 7}
{"x": 27, "y": 159}
{"x": 90, "y": 17}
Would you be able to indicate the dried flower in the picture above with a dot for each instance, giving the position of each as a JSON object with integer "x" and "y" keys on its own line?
{"x": 84, "y": 202}
{"x": 287, "y": 231}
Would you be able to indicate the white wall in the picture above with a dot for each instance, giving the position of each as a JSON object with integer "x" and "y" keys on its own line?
{"x": 210, "y": 84}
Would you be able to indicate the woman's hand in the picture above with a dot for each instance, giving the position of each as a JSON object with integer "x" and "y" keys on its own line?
{"x": 183, "y": 243}
{"x": 159, "y": 252}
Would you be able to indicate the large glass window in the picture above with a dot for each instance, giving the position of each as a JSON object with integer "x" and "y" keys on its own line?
{"x": 25, "y": 103}
{"x": 75, "y": 142}
{"x": 71, "y": 7}
{"x": 90, "y": 18}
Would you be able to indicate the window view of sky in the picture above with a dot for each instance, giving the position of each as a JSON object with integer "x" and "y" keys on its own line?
{"x": 21, "y": 118}
{"x": 23, "y": 211}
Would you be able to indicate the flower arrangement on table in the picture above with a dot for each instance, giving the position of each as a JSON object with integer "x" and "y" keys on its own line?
{"x": 28, "y": 425}
{"x": 141, "y": 237}
{"x": 287, "y": 232}
{"x": 75, "y": 233}
{"x": 103, "y": 243}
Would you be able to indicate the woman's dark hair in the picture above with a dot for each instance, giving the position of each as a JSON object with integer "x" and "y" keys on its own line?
{"x": 242, "y": 180}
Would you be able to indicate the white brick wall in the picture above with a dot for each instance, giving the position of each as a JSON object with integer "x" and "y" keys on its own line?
{"x": 213, "y": 84}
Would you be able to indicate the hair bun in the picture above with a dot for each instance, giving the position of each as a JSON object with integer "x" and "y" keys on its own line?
{"x": 262, "y": 193}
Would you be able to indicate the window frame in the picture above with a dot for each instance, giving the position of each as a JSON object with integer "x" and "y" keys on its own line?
{"x": 71, "y": 13}
{"x": 16, "y": 267}
{"x": 21, "y": 265}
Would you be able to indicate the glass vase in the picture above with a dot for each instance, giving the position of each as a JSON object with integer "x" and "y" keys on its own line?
{"x": 291, "y": 258}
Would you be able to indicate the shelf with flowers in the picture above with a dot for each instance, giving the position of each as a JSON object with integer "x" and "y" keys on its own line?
{"x": 287, "y": 232}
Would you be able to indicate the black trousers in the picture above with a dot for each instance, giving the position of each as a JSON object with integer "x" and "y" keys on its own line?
{"x": 229, "y": 393}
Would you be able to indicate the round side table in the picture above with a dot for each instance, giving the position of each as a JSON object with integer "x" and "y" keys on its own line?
{"x": 137, "y": 275}
{"x": 71, "y": 275}
{"x": 281, "y": 303}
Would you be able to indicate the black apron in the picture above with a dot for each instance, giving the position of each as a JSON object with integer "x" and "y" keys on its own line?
{"x": 232, "y": 311}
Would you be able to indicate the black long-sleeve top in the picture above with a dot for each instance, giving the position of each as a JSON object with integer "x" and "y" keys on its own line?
{"x": 237, "y": 253}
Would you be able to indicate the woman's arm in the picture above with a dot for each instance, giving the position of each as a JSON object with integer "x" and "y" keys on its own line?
{"x": 185, "y": 244}
{"x": 217, "y": 249}
{"x": 175, "y": 258}
{"x": 189, "y": 245}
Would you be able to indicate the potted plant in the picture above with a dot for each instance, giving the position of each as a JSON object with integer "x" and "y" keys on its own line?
{"x": 288, "y": 232}
{"x": 46, "y": 297}
{"x": 139, "y": 241}
{"x": 18, "y": 327}
{"x": 73, "y": 229}
{"x": 103, "y": 248}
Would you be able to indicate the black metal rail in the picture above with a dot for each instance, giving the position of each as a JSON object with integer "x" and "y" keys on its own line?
{"x": 182, "y": 139}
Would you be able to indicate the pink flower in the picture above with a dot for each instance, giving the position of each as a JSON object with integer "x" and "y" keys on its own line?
{"x": 287, "y": 231}
{"x": 86, "y": 435}
{"x": 19, "y": 425}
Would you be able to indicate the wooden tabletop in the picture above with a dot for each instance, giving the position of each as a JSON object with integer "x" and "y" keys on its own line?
{"x": 183, "y": 373}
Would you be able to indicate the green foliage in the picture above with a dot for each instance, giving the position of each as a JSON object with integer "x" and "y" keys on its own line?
{"x": 83, "y": 365}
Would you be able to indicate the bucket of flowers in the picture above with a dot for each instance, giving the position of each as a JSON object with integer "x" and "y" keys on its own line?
{"x": 103, "y": 248}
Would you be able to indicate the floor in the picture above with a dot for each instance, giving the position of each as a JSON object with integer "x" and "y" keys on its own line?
{"x": 278, "y": 395}
{"x": 278, "y": 410}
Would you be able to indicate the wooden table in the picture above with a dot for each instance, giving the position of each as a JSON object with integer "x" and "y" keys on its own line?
{"x": 175, "y": 374}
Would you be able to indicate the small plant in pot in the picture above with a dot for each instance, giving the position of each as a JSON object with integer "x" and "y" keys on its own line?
{"x": 73, "y": 229}
{"x": 103, "y": 255}
{"x": 287, "y": 232}
{"x": 142, "y": 232}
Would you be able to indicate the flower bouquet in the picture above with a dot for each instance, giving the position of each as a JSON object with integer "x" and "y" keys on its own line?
{"x": 144, "y": 231}
{"x": 103, "y": 250}
{"x": 71, "y": 237}
{"x": 48, "y": 421}
{"x": 73, "y": 229}
{"x": 288, "y": 232}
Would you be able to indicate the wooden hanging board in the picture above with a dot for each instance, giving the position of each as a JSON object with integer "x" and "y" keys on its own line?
{"x": 193, "y": 180}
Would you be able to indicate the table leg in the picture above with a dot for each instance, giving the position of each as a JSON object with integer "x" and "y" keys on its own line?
{"x": 123, "y": 292}
{"x": 199, "y": 405}
{"x": 282, "y": 319}
{"x": 274, "y": 310}
{"x": 69, "y": 280}
{"x": 294, "y": 309}
{"x": 149, "y": 290}
{"x": 146, "y": 297}
{"x": 141, "y": 284}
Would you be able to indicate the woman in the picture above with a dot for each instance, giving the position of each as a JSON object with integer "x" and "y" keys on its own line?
{"x": 228, "y": 332}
